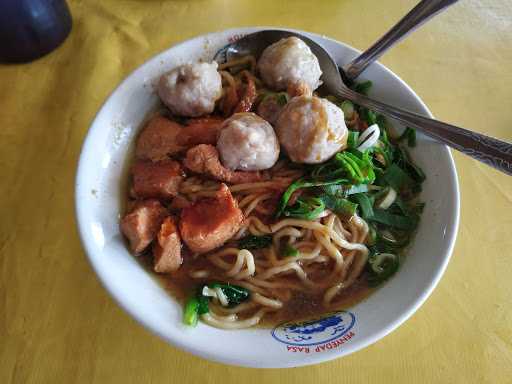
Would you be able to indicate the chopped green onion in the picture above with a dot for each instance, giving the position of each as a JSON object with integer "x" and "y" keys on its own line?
{"x": 234, "y": 293}
{"x": 358, "y": 165}
{"x": 393, "y": 239}
{"x": 369, "y": 116}
{"x": 397, "y": 178}
{"x": 307, "y": 209}
{"x": 203, "y": 305}
{"x": 334, "y": 190}
{"x": 410, "y": 135}
{"x": 415, "y": 172}
{"x": 363, "y": 87}
{"x": 299, "y": 184}
{"x": 339, "y": 205}
{"x": 382, "y": 267}
{"x": 372, "y": 235}
{"x": 353, "y": 136}
{"x": 191, "y": 312}
{"x": 290, "y": 251}
{"x": 255, "y": 242}
{"x": 385, "y": 153}
{"x": 396, "y": 221}
{"x": 356, "y": 189}
{"x": 382, "y": 122}
{"x": 403, "y": 159}
{"x": 365, "y": 203}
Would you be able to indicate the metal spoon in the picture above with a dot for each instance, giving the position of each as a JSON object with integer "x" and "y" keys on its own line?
{"x": 488, "y": 150}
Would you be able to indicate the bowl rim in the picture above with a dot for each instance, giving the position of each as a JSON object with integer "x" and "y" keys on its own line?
{"x": 452, "y": 227}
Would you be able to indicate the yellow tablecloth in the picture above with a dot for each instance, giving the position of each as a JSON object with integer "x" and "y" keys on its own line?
{"x": 58, "y": 325}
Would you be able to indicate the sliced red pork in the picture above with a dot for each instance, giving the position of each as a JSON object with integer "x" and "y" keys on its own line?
{"x": 203, "y": 130}
{"x": 167, "y": 247}
{"x": 210, "y": 222}
{"x": 159, "y": 179}
{"x": 141, "y": 225}
{"x": 158, "y": 139}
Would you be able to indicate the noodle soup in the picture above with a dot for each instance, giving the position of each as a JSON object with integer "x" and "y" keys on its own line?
{"x": 248, "y": 226}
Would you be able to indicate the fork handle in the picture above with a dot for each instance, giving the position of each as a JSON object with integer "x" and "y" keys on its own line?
{"x": 424, "y": 11}
{"x": 488, "y": 150}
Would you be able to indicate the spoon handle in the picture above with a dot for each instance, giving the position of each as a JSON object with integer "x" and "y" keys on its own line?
{"x": 421, "y": 13}
{"x": 488, "y": 150}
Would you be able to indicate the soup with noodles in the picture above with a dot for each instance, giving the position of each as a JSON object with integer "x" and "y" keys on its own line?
{"x": 258, "y": 200}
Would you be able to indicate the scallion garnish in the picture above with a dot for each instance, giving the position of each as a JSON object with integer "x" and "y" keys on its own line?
{"x": 289, "y": 251}
{"x": 365, "y": 202}
{"x": 363, "y": 87}
{"x": 255, "y": 242}
{"x": 308, "y": 208}
{"x": 191, "y": 311}
{"x": 393, "y": 220}
{"x": 353, "y": 136}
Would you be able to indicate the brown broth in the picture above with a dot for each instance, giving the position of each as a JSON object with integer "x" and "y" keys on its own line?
{"x": 301, "y": 306}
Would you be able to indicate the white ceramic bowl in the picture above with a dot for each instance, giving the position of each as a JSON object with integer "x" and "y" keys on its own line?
{"x": 99, "y": 193}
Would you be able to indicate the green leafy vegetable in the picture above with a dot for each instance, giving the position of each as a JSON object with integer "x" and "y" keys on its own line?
{"x": 382, "y": 122}
{"x": 365, "y": 202}
{"x": 403, "y": 160}
{"x": 356, "y": 189}
{"x": 339, "y": 205}
{"x": 381, "y": 267}
{"x": 352, "y": 139}
{"x": 191, "y": 311}
{"x": 390, "y": 239}
{"x": 308, "y": 208}
{"x": 392, "y": 220}
{"x": 289, "y": 251}
{"x": 255, "y": 242}
{"x": 357, "y": 165}
{"x": 203, "y": 304}
{"x": 372, "y": 235}
{"x": 363, "y": 87}
{"x": 397, "y": 178}
{"x": 385, "y": 153}
{"x": 410, "y": 135}
{"x": 234, "y": 293}
{"x": 334, "y": 190}
{"x": 299, "y": 184}
{"x": 369, "y": 116}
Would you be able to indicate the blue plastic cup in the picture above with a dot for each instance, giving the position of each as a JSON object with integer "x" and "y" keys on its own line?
{"x": 30, "y": 29}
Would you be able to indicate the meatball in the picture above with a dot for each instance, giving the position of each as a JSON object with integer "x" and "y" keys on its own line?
{"x": 311, "y": 129}
{"x": 289, "y": 62}
{"x": 247, "y": 143}
{"x": 191, "y": 89}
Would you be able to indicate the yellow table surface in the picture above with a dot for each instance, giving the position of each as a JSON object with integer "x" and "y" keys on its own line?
{"x": 58, "y": 325}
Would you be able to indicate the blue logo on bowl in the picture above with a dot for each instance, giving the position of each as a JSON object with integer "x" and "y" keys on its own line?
{"x": 317, "y": 331}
